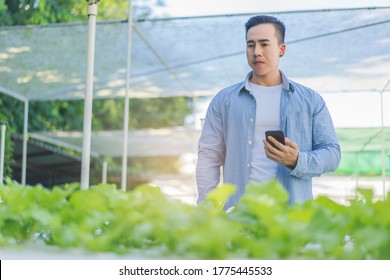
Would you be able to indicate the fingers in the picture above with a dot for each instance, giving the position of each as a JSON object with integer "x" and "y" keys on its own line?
{"x": 276, "y": 143}
{"x": 291, "y": 143}
{"x": 270, "y": 151}
{"x": 283, "y": 154}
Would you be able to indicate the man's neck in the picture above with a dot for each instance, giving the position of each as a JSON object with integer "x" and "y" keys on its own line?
{"x": 268, "y": 80}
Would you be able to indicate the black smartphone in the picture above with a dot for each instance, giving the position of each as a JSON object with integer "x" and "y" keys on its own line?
{"x": 277, "y": 134}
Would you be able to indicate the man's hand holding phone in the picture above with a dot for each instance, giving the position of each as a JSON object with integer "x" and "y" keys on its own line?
{"x": 281, "y": 149}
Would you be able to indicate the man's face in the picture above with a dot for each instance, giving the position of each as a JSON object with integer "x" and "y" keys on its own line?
{"x": 263, "y": 50}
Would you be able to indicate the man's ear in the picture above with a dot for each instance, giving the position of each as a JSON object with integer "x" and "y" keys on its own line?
{"x": 282, "y": 50}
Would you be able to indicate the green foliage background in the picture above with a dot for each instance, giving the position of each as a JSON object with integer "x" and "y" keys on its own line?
{"x": 22, "y": 12}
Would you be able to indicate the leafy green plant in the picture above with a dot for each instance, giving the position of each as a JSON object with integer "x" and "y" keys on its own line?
{"x": 146, "y": 223}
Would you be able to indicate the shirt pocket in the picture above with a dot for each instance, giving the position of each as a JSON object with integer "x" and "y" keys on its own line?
{"x": 299, "y": 129}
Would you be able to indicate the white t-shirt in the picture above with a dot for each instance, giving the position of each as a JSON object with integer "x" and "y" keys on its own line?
{"x": 267, "y": 118}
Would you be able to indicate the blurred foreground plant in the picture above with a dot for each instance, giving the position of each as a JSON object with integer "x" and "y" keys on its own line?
{"x": 145, "y": 222}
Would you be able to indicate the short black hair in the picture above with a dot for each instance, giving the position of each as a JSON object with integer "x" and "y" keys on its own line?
{"x": 262, "y": 19}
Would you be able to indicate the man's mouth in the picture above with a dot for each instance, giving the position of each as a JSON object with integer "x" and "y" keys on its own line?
{"x": 258, "y": 62}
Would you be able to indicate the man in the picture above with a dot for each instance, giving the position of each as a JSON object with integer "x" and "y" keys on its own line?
{"x": 233, "y": 132}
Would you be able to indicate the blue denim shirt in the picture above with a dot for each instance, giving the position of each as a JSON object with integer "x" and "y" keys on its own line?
{"x": 230, "y": 126}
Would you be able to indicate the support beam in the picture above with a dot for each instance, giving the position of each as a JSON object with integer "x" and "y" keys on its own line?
{"x": 104, "y": 172}
{"x": 25, "y": 139}
{"x": 383, "y": 140}
{"x": 13, "y": 94}
{"x": 63, "y": 144}
{"x": 126, "y": 112}
{"x": 85, "y": 166}
{"x": 2, "y": 150}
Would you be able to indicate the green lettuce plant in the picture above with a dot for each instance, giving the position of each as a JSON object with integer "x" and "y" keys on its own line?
{"x": 146, "y": 223}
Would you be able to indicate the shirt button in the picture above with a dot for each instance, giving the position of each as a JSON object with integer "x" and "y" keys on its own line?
{"x": 251, "y": 120}
{"x": 249, "y": 165}
{"x": 250, "y": 142}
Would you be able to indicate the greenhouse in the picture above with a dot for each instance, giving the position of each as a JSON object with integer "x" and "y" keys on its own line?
{"x": 40, "y": 63}
{"x": 343, "y": 54}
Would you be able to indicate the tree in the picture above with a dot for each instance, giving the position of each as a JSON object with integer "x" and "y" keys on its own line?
{"x": 21, "y": 12}
{"x": 11, "y": 111}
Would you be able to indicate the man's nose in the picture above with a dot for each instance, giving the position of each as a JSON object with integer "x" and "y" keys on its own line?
{"x": 257, "y": 50}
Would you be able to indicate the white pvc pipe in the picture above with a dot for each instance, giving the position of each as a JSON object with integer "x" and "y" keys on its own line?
{"x": 25, "y": 139}
{"x": 104, "y": 172}
{"x": 3, "y": 127}
{"x": 383, "y": 141}
{"x": 13, "y": 94}
{"x": 193, "y": 176}
{"x": 126, "y": 111}
{"x": 85, "y": 164}
{"x": 383, "y": 149}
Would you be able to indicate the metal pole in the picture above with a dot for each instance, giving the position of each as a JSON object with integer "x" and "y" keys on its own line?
{"x": 196, "y": 118}
{"x": 2, "y": 151}
{"x": 104, "y": 172}
{"x": 85, "y": 164}
{"x": 383, "y": 150}
{"x": 383, "y": 140}
{"x": 25, "y": 139}
{"x": 126, "y": 113}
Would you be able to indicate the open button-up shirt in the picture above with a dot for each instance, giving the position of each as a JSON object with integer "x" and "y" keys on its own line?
{"x": 229, "y": 129}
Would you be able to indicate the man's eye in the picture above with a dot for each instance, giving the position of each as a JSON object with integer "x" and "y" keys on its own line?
{"x": 264, "y": 45}
{"x": 250, "y": 45}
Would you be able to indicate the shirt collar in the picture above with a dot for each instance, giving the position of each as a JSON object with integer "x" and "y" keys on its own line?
{"x": 285, "y": 82}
